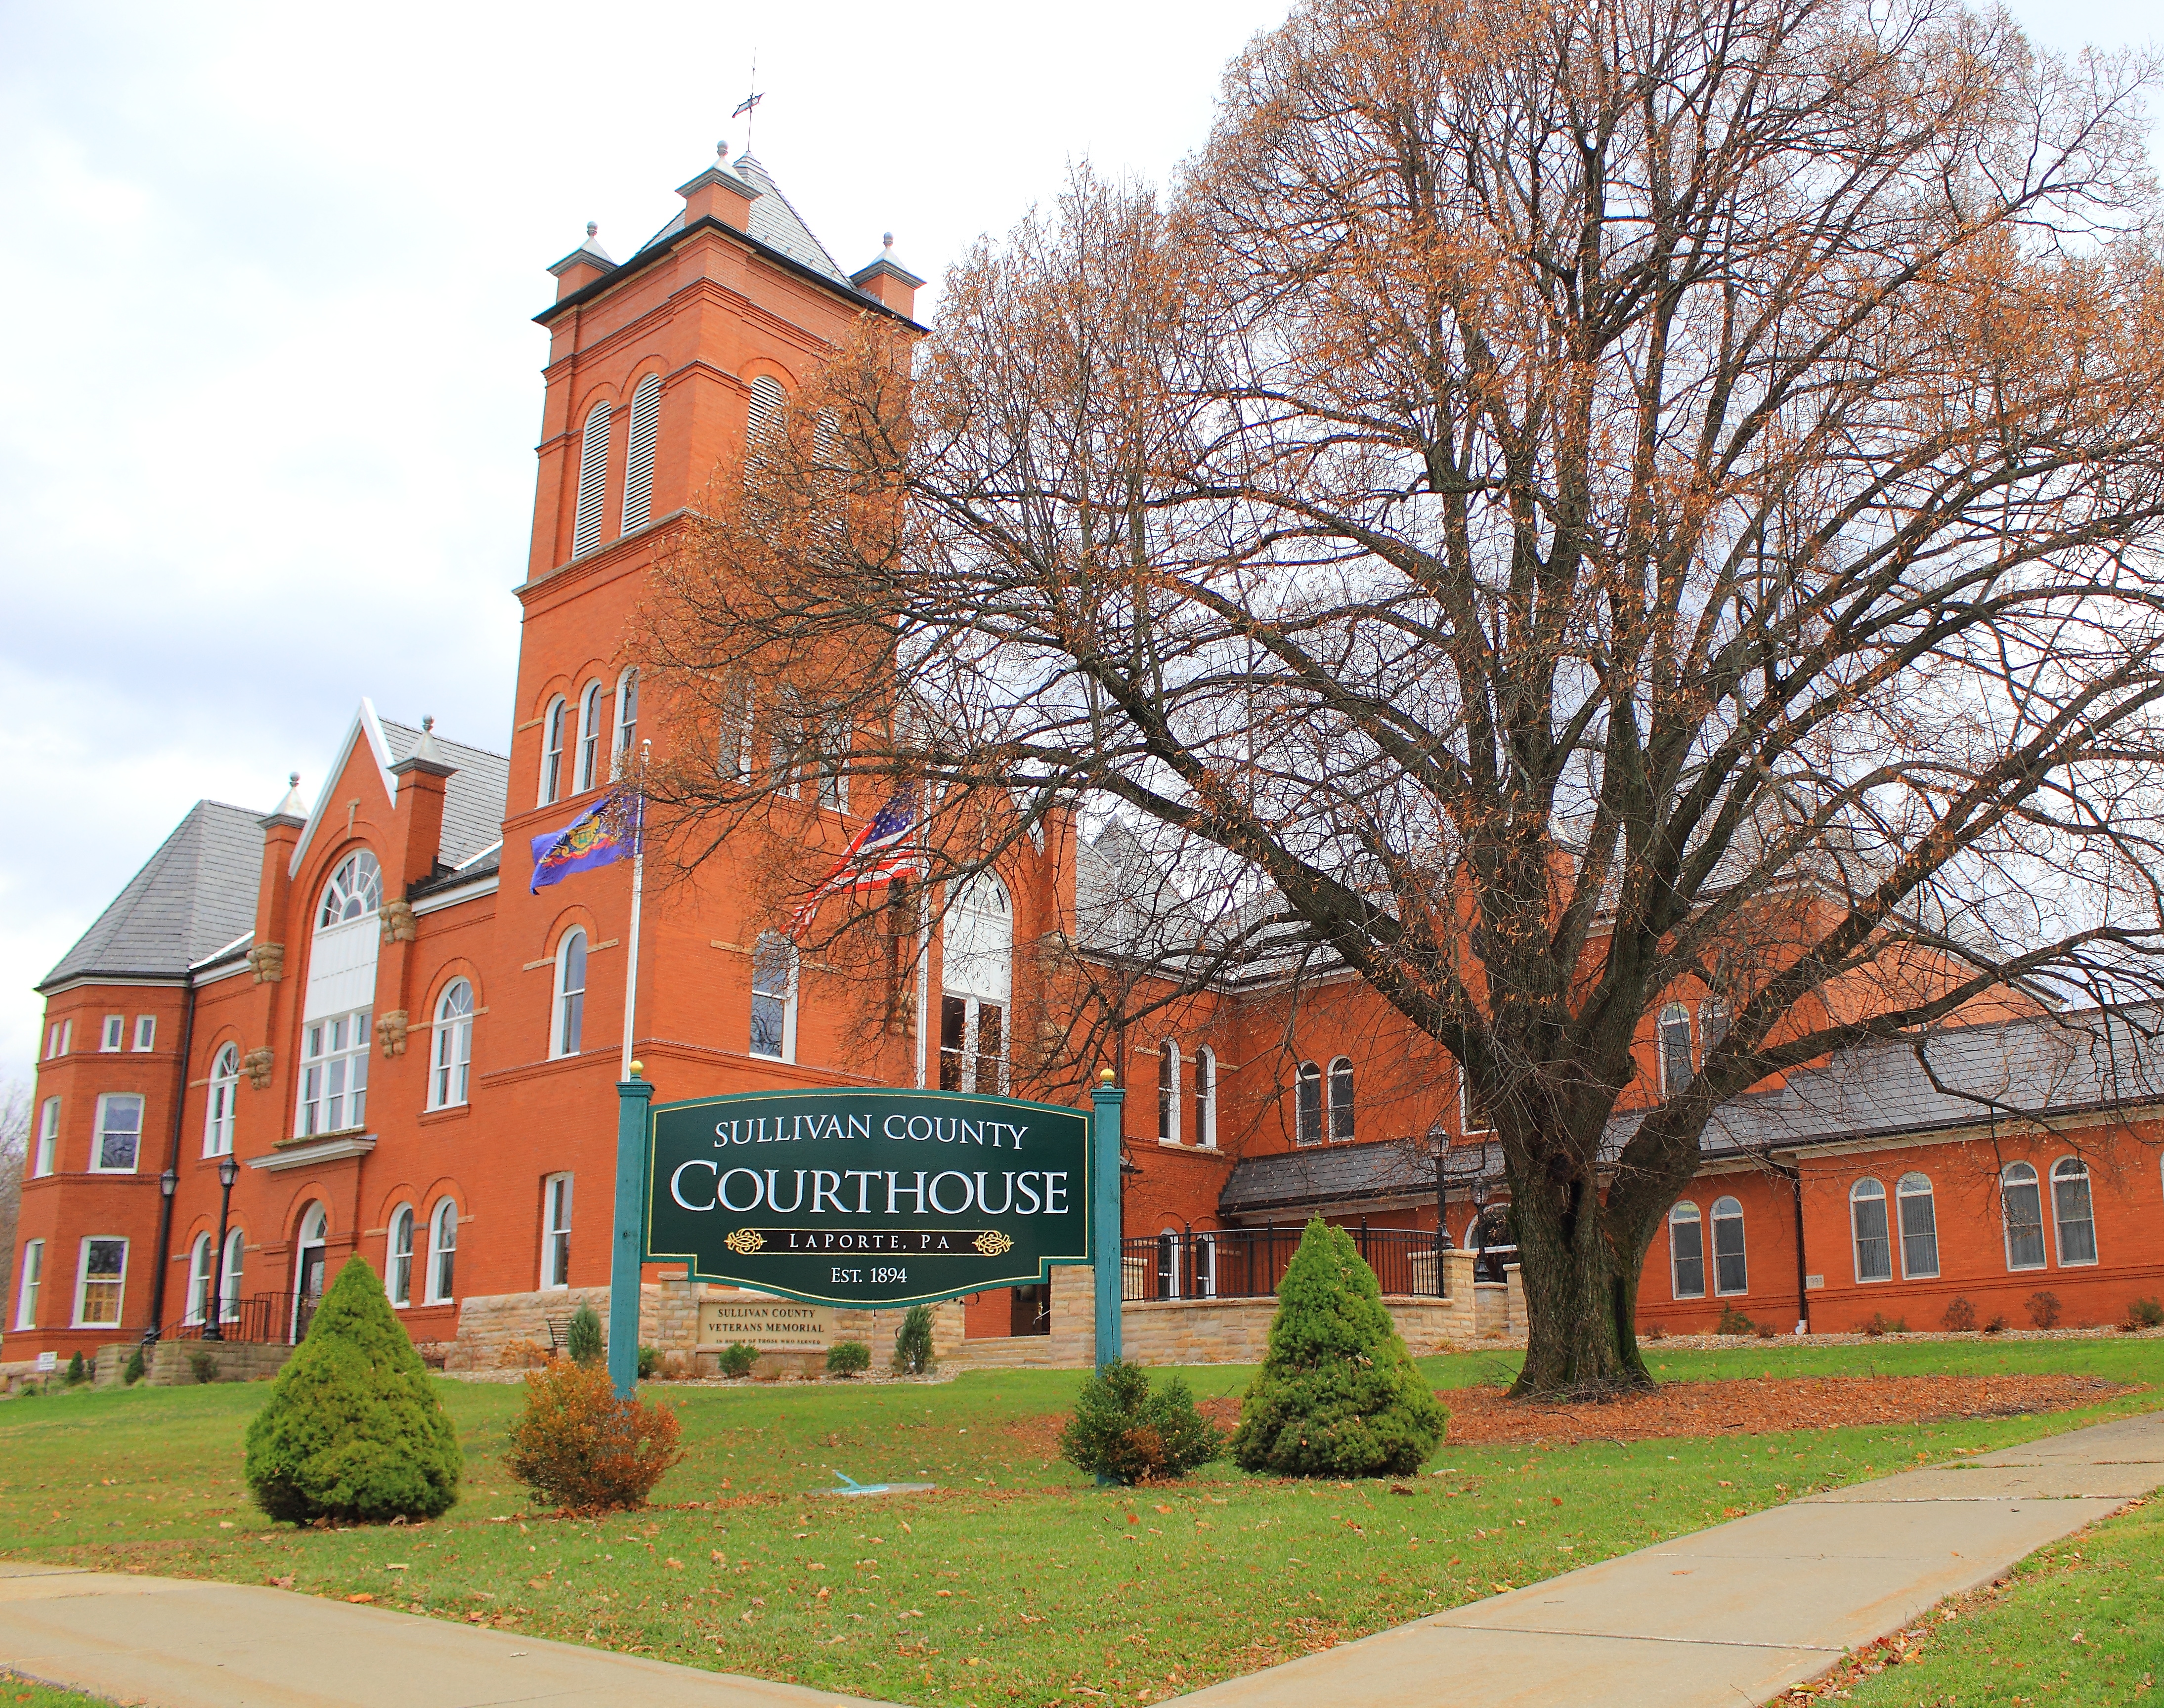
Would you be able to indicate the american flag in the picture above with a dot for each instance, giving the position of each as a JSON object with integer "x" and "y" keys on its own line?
{"x": 876, "y": 857}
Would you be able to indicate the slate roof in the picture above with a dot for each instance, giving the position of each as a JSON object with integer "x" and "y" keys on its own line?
{"x": 474, "y": 795}
{"x": 774, "y": 222}
{"x": 1298, "y": 1180}
{"x": 192, "y": 897}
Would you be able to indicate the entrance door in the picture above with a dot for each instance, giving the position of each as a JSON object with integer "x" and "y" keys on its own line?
{"x": 308, "y": 1271}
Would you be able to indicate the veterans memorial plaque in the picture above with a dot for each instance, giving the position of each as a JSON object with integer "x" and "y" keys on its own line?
{"x": 768, "y": 1325}
{"x": 878, "y": 1198}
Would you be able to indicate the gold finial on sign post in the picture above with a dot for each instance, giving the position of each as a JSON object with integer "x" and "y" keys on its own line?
{"x": 638, "y": 1070}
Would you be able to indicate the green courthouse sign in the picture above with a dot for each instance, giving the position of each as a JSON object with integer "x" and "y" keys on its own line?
{"x": 879, "y": 1198}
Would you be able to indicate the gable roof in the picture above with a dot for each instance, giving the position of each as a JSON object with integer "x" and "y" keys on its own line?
{"x": 194, "y": 896}
{"x": 774, "y": 222}
{"x": 474, "y": 795}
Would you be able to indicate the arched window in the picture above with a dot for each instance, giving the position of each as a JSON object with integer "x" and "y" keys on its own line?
{"x": 2023, "y": 1208}
{"x": 199, "y": 1260}
{"x": 452, "y": 1058}
{"x": 1675, "y": 1031}
{"x": 355, "y": 892}
{"x": 229, "y": 1281}
{"x": 1307, "y": 1104}
{"x": 570, "y": 994}
{"x": 552, "y": 750}
{"x": 1867, "y": 1215}
{"x": 309, "y": 1259}
{"x": 1341, "y": 1101}
{"x": 1168, "y": 1094}
{"x": 398, "y": 1256}
{"x": 442, "y": 1252}
{"x": 556, "y": 1230}
{"x": 593, "y": 481}
{"x": 585, "y": 773}
{"x": 334, "y": 1030}
{"x": 773, "y": 998}
{"x": 626, "y": 721}
{"x": 1205, "y": 1098}
{"x": 1202, "y": 1259}
{"x": 638, "y": 454}
{"x": 1920, "y": 1227}
{"x": 2072, "y": 1212}
{"x": 224, "y": 1084}
{"x": 1712, "y": 1025}
{"x": 977, "y": 985}
{"x": 1686, "y": 1251}
{"x": 1731, "y": 1272}
{"x": 1168, "y": 1264}
{"x": 764, "y": 420}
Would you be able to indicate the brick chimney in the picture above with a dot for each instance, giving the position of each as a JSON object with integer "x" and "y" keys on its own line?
{"x": 586, "y": 263}
{"x": 887, "y": 281}
{"x": 718, "y": 193}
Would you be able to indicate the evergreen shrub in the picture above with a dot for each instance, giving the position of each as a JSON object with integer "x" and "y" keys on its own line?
{"x": 1733, "y": 1322}
{"x": 1126, "y": 1431}
{"x": 131, "y": 1373}
{"x": 578, "y": 1445}
{"x": 353, "y": 1430}
{"x": 738, "y": 1358}
{"x": 77, "y": 1372}
{"x": 204, "y": 1367}
{"x": 848, "y": 1358}
{"x": 912, "y": 1341}
{"x": 1338, "y": 1394}
{"x": 582, "y": 1340}
{"x": 2145, "y": 1313}
{"x": 650, "y": 1362}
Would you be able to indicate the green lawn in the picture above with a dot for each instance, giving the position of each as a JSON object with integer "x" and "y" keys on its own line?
{"x": 1016, "y": 1581}
{"x": 21, "y": 1691}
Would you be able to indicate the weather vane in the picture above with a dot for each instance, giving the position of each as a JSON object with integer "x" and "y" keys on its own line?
{"x": 744, "y": 107}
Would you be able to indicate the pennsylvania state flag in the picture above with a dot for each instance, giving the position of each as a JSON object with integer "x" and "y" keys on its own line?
{"x": 605, "y": 833}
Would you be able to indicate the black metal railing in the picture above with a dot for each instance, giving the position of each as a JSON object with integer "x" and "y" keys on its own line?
{"x": 264, "y": 1319}
{"x": 1248, "y": 1262}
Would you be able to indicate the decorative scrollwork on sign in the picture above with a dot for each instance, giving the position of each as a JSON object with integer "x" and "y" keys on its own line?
{"x": 745, "y": 1241}
{"x": 992, "y": 1243}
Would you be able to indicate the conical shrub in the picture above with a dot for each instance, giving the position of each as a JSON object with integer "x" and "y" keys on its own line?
{"x": 1338, "y": 1394}
{"x": 353, "y": 1432}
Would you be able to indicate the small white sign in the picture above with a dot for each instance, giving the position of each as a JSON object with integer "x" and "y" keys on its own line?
{"x": 48, "y": 1362}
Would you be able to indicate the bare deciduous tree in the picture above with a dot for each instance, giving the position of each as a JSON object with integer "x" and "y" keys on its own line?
{"x": 1566, "y": 502}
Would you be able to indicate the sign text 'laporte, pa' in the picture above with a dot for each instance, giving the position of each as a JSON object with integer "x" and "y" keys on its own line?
{"x": 867, "y": 1197}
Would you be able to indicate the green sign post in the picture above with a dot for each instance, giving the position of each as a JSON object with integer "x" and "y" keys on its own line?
{"x": 879, "y": 1198}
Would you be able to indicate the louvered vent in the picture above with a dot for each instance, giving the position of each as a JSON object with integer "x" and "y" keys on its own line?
{"x": 593, "y": 475}
{"x": 767, "y": 398}
{"x": 638, "y": 460}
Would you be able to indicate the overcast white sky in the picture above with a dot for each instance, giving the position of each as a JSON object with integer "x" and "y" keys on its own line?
{"x": 266, "y": 435}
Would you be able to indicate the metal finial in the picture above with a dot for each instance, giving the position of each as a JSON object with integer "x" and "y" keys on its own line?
{"x": 592, "y": 228}
{"x": 292, "y": 779}
{"x": 428, "y": 723}
{"x": 721, "y": 152}
{"x": 888, "y": 239}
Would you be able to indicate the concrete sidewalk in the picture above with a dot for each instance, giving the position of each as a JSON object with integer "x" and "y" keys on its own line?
{"x": 1736, "y": 1613}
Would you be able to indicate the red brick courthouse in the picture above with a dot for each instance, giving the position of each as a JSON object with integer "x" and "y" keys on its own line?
{"x": 353, "y": 1006}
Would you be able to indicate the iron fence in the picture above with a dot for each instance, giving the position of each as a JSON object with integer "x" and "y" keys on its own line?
{"x": 264, "y": 1319}
{"x": 1248, "y": 1262}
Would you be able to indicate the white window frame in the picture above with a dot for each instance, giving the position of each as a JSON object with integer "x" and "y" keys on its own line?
{"x": 567, "y": 1036}
{"x": 229, "y": 1280}
{"x": 1715, "y": 1218}
{"x": 1904, "y": 1195}
{"x": 1206, "y": 1097}
{"x": 1341, "y": 1117}
{"x": 196, "y": 1301}
{"x": 52, "y": 1040}
{"x": 146, "y": 1033}
{"x": 552, "y": 753}
{"x": 1470, "y": 1119}
{"x": 773, "y": 953}
{"x": 1684, "y": 1214}
{"x": 588, "y": 765}
{"x": 105, "y": 1104}
{"x": 1308, "y": 1088}
{"x": 398, "y": 1263}
{"x": 555, "y": 1231}
{"x": 626, "y": 722}
{"x": 218, "y": 1100}
{"x": 2071, "y": 1169}
{"x": 333, "y": 1048}
{"x": 1168, "y": 1093}
{"x": 29, "y": 1278}
{"x": 1674, "y": 1015}
{"x": 83, "y": 1282}
{"x": 450, "y": 1048}
{"x": 592, "y": 502}
{"x": 1168, "y": 1264}
{"x": 116, "y": 1030}
{"x": 443, "y": 1220}
{"x": 2007, "y": 1177}
{"x": 1877, "y": 1194}
{"x": 45, "y": 1158}
{"x": 832, "y": 758}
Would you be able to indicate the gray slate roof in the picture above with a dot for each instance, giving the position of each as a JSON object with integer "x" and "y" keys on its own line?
{"x": 474, "y": 795}
{"x": 192, "y": 897}
{"x": 1293, "y": 1181}
{"x": 774, "y": 221}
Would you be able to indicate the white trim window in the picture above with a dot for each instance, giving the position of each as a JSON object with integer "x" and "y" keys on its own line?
{"x": 1675, "y": 1049}
{"x": 627, "y": 723}
{"x": 1473, "y": 1115}
{"x": 1686, "y": 1251}
{"x": 2073, "y": 1212}
{"x": 224, "y": 1090}
{"x": 146, "y": 1033}
{"x": 450, "y": 1060}
{"x": 590, "y": 739}
{"x": 1713, "y": 1018}
{"x": 1731, "y": 1271}
{"x": 1168, "y": 1264}
{"x": 552, "y": 751}
{"x": 333, "y": 1074}
{"x": 773, "y": 998}
{"x": 1341, "y": 1116}
{"x": 1307, "y": 1104}
{"x": 638, "y": 454}
{"x": 1866, "y": 1217}
{"x": 442, "y": 1252}
{"x": 48, "y": 1154}
{"x": 2021, "y": 1205}
{"x": 116, "y": 1028}
{"x": 229, "y": 1281}
{"x": 56, "y": 1039}
{"x": 569, "y": 1008}
{"x": 593, "y": 481}
{"x": 32, "y": 1277}
{"x": 556, "y": 1230}
{"x": 976, "y": 977}
{"x": 1920, "y": 1227}
{"x": 101, "y": 1285}
{"x": 1205, "y": 1098}
{"x": 119, "y": 1133}
{"x": 355, "y": 892}
{"x": 1168, "y": 1094}
{"x": 398, "y": 1257}
{"x": 833, "y": 761}
{"x": 198, "y": 1297}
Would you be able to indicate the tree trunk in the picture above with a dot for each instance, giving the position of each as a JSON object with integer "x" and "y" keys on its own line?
{"x": 1581, "y": 1297}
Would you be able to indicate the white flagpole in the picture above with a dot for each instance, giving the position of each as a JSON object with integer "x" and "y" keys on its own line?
{"x": 924, "y": 1019}
{"x": 638, "y": 887}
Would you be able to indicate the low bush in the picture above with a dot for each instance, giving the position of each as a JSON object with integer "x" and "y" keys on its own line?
{"x": 582, "y": 1340}
{"x": 848, "y": 1358}
{"x": 1878, "y": 1323}
{"x": 1337, "y": 1395}
{"x": 1733, "y": 1322}
{"x": 577, "y": 1446}
{"x": 649, "y": 1363}
{"x": 131, "y": 1373}
{"x": 78, "y": 1373}
{"x": 912, "y": 1342}
{"x": 1998, "y": 1325}
{"x": 738, "y": 1358}
{"x": 353, "y": 1430}
{"x": 2044, "y": 1310}
{"x": 2145, "y": 1313}
{"x": 1653, "y": 1330}
{"x": 522, "y": 1355}
{"x": 204, "y": 1367}
{"x": 1960, "y": 1317}
{"x": 1767, "y": 1330}
{"x": 1126, "y": 1431}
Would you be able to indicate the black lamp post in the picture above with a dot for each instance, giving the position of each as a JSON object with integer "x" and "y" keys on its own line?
{"x": 168, "y": 1183}
{"x": 228, "y": 1171}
